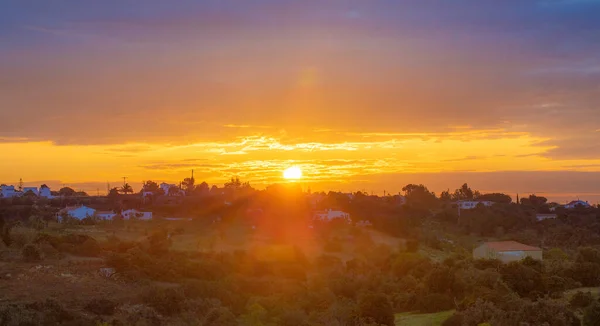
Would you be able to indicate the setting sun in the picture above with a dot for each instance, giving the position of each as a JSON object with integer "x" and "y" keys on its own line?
{"x": 292, "y": 173}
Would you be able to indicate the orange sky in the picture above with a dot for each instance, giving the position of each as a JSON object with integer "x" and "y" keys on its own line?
{"x": 360, "y": 95}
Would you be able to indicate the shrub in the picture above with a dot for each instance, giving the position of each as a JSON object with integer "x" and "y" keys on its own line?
{"x": 454, "y": 320}
{"x": 435, "y": 302}
{"x": 220, "y": 316}
{"x": 377, "y": 307}
{"x": 591, "y": 316}
{"x": 581, "y": 299}
{"x": 140, "y": 315}
{"x": 31, "y": 253}
{"x": 167, "y": 301}
{"x": 101, "y": 307}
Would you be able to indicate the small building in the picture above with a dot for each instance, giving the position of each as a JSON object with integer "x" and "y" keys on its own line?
{"x": 8, "y": 192}
{"x": 45, "y": 192}
{"x": 470, "y": 204}
{"x": 166, "y": 188}
{"x": 330, "y": 215}
{"x": 541, "y": 217}
{"x": 577, "y": 203}
{"x": 506, "y": 251}
{"x": 78, "y": 212}
{"x": 105, "y": 215}
{"x": 135, "y": 214}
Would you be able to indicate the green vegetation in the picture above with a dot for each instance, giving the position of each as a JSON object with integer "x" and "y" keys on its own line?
{"x": 434, "y": 319}
{"x": 229, "y": 266}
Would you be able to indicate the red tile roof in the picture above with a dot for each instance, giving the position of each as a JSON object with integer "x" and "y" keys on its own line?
{"x": 510, "y": 246}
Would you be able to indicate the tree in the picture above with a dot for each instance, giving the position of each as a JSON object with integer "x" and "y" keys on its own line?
{"x": 496, "y": 198}
{"x": 377, "y": 307}
{"x": 235, "y": 183}
{"x": 66, "y": 192}
{"x": 535, "y": 201}
{"x": 151, "y": 186}
{"x": 188, "y": 185}
{"x": 202, "y": 189}
{"x": 446, "y": 196}
{"x": 126, "y": 189}
{"x": 591, "y": 316}
{"x": 114, "y": 192}
{"x": 419, "y": 196}
{"x": 465, "y": 193}
{"x": 173, "y": 191}
{"x": 29, "y": 194}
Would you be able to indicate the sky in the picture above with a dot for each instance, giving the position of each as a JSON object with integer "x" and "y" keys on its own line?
{"x": 362, "y": 95}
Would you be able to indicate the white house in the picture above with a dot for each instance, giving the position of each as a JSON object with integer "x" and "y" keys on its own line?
{"x": 78, "y": 212}
{"x": 330, "y": 215}
{"x": 135, "y": 214}
{"x": 45, "y": 192}
{"x": 166, "y": 186}
{"x": 541, "y": 217}
{"x": 577, "y": 203}
{"x": 105, "y": 215}
{"x": 470, "y": 204}
{"x": 34, "y": 190}
{"x": 8, "y": 192}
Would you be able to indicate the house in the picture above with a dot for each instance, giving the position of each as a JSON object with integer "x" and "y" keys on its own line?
{"x": 330, "y": 215}
{"x": 541, "y": 217}
{"x": 8, "y": 191}
{"x": 45, "y": 192}
{"x": 135, "y": 214}
{"x": 577, "y": 203}
{"x": 77, "y": 212}
{"x": 33, "y": 190}
{"x": 105, "y": 215}
{"x": 470, "y": 204}
{"x": 506, "y": 251}
{"x": 166, "y": 187}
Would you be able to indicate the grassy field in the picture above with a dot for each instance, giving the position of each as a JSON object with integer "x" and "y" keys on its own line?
{"x": 410, "y": 319}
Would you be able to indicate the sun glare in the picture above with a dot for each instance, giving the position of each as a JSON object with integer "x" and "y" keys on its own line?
{"x": 292, "y": 173}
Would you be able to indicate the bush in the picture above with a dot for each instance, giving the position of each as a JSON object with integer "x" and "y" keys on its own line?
{"x": 167, "y": 301}
{"x": 581, "y": 299}
{"x": 591, "y": 316}
{"x": 454, "y": 320}
{"x": 101, "y": 307}
{"x": 377, "y": 307}
{"x": 31, "y": 253}
{"x": 435, "y": 302}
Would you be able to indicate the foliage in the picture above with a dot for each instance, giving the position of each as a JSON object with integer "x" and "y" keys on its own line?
{"x": 168, "y": 301}
{"x": 377, "y": 307}
{"x": 101, "y": 306}
{"x": 581, "y": 299}
{"x": 591, "y": 316}
{"x": 31, "y": 253}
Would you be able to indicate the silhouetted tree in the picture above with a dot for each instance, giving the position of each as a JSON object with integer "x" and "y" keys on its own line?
{"x": 496, "y": 198}
{"x": 151, "y": 186}
{"x": 66, "y": 192}
{"x": 419, "y": 196}
{"x": 126, "y": 189}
